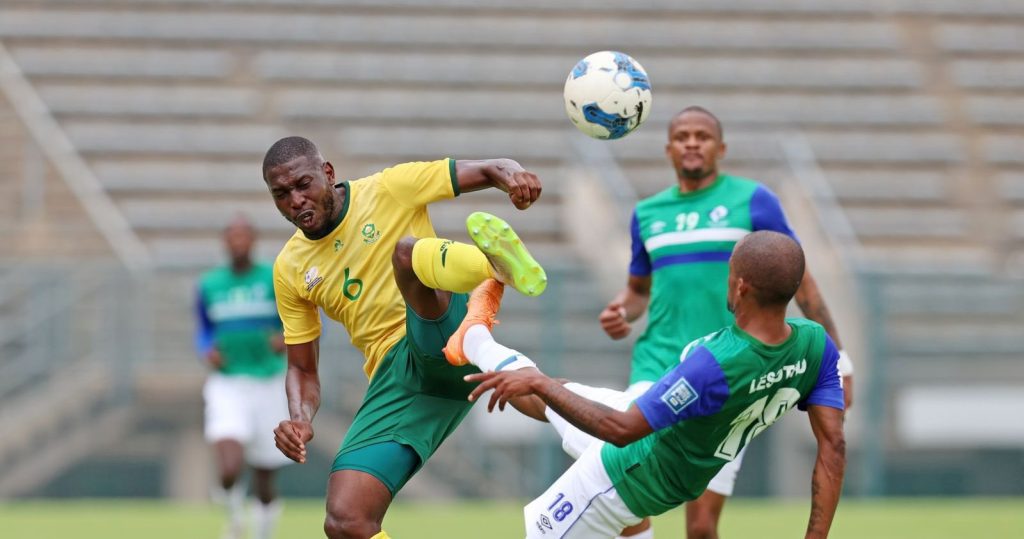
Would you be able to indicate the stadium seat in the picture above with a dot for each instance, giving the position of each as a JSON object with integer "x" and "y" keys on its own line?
{"x": 123, "y": 62}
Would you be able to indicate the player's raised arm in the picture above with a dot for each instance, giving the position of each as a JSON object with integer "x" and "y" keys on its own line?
{"x": 596, "y": 419}
{"x": 523, "y": 187}
{"x": 827, "y": 481}
{"x": 302, "y": 384}
{"x": 812, "y": 304}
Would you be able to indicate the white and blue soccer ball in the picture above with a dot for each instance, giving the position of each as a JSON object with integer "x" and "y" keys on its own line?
{"x": 607, "y": 95}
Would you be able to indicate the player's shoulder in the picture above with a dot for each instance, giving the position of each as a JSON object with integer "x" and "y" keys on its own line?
{"x": 412, "y": 168}
{"x": 805, "y": 324}
{"x": 287, "y": 255}
{"x": 722, "y": 343}
{"x": 743, "y": 183}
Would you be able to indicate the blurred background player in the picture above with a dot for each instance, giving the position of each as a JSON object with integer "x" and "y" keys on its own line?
{"x": 682, "y": 240}
{"x": 725, "y": 388}
{"x": 365, "y": 252}
{"x": 239, "y": 336}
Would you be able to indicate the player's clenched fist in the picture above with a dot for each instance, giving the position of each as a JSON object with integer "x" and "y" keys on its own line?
{"x": 291, "y": 437}
{"x": 613, "y": 321}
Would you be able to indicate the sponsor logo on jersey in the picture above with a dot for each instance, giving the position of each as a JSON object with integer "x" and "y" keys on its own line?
{"x": 785, "y": 373}
{"x": 657, "y": 227}
{"x": 370, "y": 233}
{"x": 718, "y": 215}
{"x": 313, "y": 278}
{"x": 679, "y": 396}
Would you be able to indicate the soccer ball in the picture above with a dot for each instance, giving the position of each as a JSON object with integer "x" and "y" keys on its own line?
{"x": 607, "y": 95}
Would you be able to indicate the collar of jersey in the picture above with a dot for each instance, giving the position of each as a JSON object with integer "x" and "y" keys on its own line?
{"x": 703, "y": 191}
{"x": 770, "y": 349}
{"x": 341, "y": 214}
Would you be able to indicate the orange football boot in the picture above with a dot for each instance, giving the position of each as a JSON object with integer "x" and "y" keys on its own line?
{"x": 483, "y": 306}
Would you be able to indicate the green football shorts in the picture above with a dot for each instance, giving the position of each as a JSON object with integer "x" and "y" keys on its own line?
{"x": 416, "y": 398}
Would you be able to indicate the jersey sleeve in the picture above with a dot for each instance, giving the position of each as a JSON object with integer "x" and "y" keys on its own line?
{"x": 640, "y": 263}
{"x": 766, "y": 213}
{"x": 204, "y": 326}
{"x": 828, "y": 391}
{"x": 299, "y": 317}
{"x": 696, "y": 387}
{"x": 418, "y": 184}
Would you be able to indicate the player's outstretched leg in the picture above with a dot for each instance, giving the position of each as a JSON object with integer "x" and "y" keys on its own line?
{"x": 512, "y": 263}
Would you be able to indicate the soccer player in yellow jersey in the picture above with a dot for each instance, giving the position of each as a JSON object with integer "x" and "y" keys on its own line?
{"x": 365, "y": 253}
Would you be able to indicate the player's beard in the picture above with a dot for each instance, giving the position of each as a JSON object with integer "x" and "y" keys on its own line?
{"x": 328, "y": 205}
{"x": 695, "y": 173}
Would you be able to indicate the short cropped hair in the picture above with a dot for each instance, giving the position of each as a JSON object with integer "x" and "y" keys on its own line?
{"x": 704, "y": 111}
{"x": 287, "y": 149}
{"x": 772, "y": 263}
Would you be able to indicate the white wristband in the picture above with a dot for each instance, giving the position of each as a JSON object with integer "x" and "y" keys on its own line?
{"x": 844, "y": 363}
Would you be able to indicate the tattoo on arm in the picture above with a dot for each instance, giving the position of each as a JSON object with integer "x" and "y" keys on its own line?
{"x": 591, "y": 417}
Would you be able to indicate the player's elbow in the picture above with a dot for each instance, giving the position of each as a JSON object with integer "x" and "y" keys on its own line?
{"x": 619, "y": 435}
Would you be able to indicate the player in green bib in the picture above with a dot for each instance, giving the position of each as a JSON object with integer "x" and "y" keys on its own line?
{"x": 681, "y": 240}
{"x": 239, "y": 337}
{"x": 728, "y": 387}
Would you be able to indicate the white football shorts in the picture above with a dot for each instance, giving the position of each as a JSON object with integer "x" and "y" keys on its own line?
{"x": 246, "y": 409}
{"x": 581, "y": 504}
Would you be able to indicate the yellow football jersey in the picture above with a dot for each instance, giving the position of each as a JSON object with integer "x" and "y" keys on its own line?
{"x": 348, "y": 273}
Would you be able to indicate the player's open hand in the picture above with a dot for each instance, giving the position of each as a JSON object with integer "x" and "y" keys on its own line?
{"x": 291, "y": 437}
{"x": 613, "y": 321}
{"x": 506, "y": 385}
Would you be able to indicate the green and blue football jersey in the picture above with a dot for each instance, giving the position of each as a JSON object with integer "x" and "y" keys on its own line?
{"x": 683, "y": 242}
{"x": 729, "y": 388}
{"x": 237, "y": 314}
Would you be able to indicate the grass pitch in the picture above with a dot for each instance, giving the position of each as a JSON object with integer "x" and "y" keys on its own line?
{"x": 876, "y": 519}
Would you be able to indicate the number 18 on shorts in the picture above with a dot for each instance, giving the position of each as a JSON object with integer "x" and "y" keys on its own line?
{"x": 582, "y": 503}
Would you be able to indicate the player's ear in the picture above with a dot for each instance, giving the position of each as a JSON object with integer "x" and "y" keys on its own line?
{"x": 721, "y": 149}
{"x": 742, "y": 287}
{"x": 329, "y": 171}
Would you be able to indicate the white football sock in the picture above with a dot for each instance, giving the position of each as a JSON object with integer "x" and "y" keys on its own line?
{"x": 483, "y": 351}
{"x": 264, "y": 518}
{"x": 234, "y": 502}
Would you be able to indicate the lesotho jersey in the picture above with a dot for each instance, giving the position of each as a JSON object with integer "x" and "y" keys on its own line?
{"x": 683, "y": 241}
{"x": 348, "y": 273}
{"x": 729, "y": 388}
{"x": 237, "y": 315}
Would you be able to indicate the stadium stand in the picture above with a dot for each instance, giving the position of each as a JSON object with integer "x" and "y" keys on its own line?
{"x": 910, "y": 108}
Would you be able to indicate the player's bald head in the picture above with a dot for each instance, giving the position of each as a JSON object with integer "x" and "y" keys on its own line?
{"x": 287, "y": 149}
{"x": 697, "y": 109}
{"x": 771, "y": 263}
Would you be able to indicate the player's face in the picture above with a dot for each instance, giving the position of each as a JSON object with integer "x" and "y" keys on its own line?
{"x": 694, "y": 145}
{"x": 303, "y": 191}
{"x": 239, "y": 238}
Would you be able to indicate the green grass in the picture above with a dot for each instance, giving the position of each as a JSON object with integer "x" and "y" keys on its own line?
{"x": 876, "y": 519}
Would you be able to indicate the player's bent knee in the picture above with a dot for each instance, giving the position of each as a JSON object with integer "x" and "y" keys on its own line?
{"x": 349, "y": 525}
{"x": 401, "y": 259}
